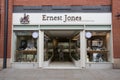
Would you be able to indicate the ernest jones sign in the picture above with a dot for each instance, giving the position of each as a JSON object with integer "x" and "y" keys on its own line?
{"x": 62, "y": 18}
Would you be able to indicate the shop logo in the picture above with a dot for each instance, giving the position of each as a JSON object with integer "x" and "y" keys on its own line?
{"x": 24, "y": 19}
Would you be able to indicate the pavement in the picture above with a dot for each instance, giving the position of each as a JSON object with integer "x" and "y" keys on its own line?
{"x": 59, "y": 74}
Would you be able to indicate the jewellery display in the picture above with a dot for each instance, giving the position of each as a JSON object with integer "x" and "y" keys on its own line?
{"x": 27, "y": 50}
{"x": 97, "y": 49}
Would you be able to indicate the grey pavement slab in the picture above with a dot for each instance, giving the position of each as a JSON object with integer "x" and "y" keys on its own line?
{"x": 60, "y": 74}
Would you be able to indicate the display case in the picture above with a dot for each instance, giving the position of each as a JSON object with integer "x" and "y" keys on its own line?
{"x": 97, "y": 50}
{"x": 26, "y": 55}
{"x": 75, "y": 49}
{"x": 65, "y": 46}
{"x": 26, "y": 50}
{"x": 48, "y": 49}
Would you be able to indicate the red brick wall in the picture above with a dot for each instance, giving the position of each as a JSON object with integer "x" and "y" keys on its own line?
{"x": 116, "y": 28}
{"x": 9, "y": 28}
{"x": 2, "y": 28}
{"x": 0, "y": 24}
{"x": 61, "y": 2}
{"x": 0, "y": 15}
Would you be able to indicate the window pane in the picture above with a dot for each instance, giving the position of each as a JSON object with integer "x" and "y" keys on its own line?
{"x": 98, "y": 47}
{"x": 26, "y": 47}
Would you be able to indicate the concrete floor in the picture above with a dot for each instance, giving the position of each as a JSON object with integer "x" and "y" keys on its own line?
{"x": 59, "y": 74}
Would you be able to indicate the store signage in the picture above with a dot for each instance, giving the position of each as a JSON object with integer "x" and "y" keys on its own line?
{"x": 65, "y": 18}
{"x": 24, "y": 19}
{"x": 61, "y": 18}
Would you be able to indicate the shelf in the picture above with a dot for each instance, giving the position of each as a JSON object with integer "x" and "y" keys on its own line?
{"x": 27, "y": 51}
{"x": 26, "y": 55}
{"x": 50, "y": 50}
{"x": 95, "y": 51}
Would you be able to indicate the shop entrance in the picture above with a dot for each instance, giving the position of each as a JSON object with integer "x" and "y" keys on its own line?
{"x": 61, "y": 48}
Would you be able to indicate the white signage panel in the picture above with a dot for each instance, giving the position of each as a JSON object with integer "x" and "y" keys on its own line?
{"x": 61, "y": 18}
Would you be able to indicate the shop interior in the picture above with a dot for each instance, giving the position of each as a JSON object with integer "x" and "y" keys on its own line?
{"x": 61, "y": 47}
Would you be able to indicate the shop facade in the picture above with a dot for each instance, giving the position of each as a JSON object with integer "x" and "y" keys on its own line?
{"x": 62, "y": 40}
{"x": 47, "y": 28}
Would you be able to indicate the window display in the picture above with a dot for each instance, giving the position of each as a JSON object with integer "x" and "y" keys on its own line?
{"x": 26, "y": 50}
{"x": 98, "y": 48}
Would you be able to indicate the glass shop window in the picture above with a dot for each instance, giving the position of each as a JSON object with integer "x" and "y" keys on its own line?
{"x": 26, "y": 47}
{"x": 98, "y": 47}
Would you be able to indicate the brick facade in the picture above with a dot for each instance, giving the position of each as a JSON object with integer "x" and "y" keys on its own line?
{"x": 61, "y": 2}
{"x": 116, "y": 28}
{"x": 2, "y": 28}
{"x": 115, "y": 10}
{"x": 9, "y": 27}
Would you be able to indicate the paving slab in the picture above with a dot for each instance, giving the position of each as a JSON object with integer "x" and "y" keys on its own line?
{"x": 59, "y": 74}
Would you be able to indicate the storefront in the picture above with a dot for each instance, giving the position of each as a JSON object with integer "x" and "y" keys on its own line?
{"x": 62, "y": 40}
